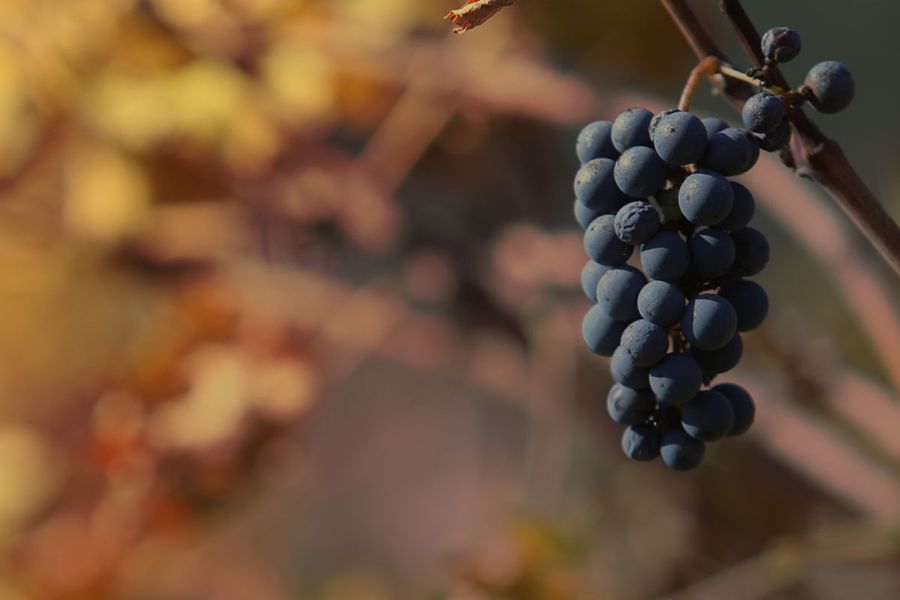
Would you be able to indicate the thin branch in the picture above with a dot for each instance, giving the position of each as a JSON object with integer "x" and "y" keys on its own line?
{"x": 706, "y": 67}
{"x": 815, "y": 155}
{"x": 475, "y": 12}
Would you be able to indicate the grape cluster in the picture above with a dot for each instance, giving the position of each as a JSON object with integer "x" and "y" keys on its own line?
{"x": 655, "y": 187}
{"x": 828, "y": 86}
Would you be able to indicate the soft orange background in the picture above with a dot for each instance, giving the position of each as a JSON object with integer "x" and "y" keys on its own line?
{"x": 289, "y": 308}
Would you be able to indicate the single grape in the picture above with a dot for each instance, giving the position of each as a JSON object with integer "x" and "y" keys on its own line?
{"x": 750, "y": 302}
{"x": 676, "y": 378}
{"x": 590, "y": 276}
{"x": 714, "y": 362}
{"x": 661, "y": 302}
{"x": 752, "y": 252}
{"x": 602, "y": 244}
{"x": 763, "y": 112}
{"x": 705, "y": 197}
{"x": 601, "y": 332}
{"x": 595, "y": 186}
{"x": 712, "y": 253}
{"x": 646, "y": 342}
{"x": 628, "y": 406}
{"x": 679, "y": 138}
{"x": 624, "y": 371}
{"x": 780, "y": 44}
{"x": 741, "y": 405}
{"x": 730, "y": 152}
{"x": 617, "y": 293}
{"x": 654, "y": 122}
{"x": 631, "y": 128}
{"x": 594, "y": 141}
{"x": 636, "y": 222}
{"x": 709, "y": 322}
{"x": 584, "y": 215}
{"x": 708, "y": 416}
{"x": 641, "y": 442}
{"x": 742, "y": 208}
{"x": 775, "y": 140}
{"x": 714, "y": 125}
{"x": 665, "y": 256}
{"x": 830, "y": 86}
{"x": 640, "y": 172}
{"x": 681, "y": 452}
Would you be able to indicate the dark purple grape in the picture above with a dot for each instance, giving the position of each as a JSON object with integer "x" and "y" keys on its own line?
{"x": 601, "y": 332}
{"x": 640, "y": 172}
{"x": 628, "y": 406}
{"x": 594, "y": 141}
{"x": 780, "y": 44}
{"x": 679, "y": 138}
{"x": 708, "y": 416}
{"x": 741, "y": 405}
{"x": 763, "y": 112}
{"x": 631, "y": 128}
{"x": 641, "y": 442}
{"x": 830, "y": 86}
{"x": 681, "y": 452}
{"x": 636, "y": 222}
{"x": 709, "y": 322}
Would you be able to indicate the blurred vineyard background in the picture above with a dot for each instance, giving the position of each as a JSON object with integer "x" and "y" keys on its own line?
{"x": 290, "y": 309}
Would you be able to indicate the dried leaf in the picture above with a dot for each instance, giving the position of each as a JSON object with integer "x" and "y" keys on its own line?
{"x": 475, "y": 12}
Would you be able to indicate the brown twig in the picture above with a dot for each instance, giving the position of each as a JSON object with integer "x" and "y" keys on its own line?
{"x": 815, "y": 155}
{"x": 475, "y": 12}
{"x": 705, "y": 68}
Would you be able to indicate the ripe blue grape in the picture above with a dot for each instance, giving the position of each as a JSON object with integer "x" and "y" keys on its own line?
{"x": 763, "y": 112}
{"x": 602, "y": 244}
{"x": 830, "y": 86}
{"x": 780, "y": 44}
{"x": 714, "y": 125}
{"x": 750, "y": 302}
{"x": 751, "y": 252}
{"x": 681, "y": 452}
{"x": 654, "y": 122}
{"x": 617, "y": 293}
{"x": 679, "y": 138}
{"x": 708, "y": 416}
{"x": 742, "y": 208}
{"x": 594, "y": 141}
{"x": 631, "y": 128}
{"x": 590, "y": 276}
{"x": 595, "y": 186}
{"x": 640, "y": 172}
{"x": 714, "y": 362}
{"x": 709, "y": 322}
{"x": 775, "y": 140}
{"x": 661, "y": 302}
{"x": 636, "y": 222}
{"x": 601, "y": 332}
{"x": 641, "y": 442}
{"x": 741, "y": 405}
{"x": 665, "y": 256}
{"x": 624, "y": 371}
{"x": 730, "y": 152}
{"x": 712, "y": 253}
{"x": 676, "y": 378}
{"x": 705, "y": 197}
{"x": 584, "y": 215}
{"x": 628, "y": 406}
{"x": 645, "y": 342}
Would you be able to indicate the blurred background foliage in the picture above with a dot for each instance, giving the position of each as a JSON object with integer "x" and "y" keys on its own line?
{"x": 290, "y": 309}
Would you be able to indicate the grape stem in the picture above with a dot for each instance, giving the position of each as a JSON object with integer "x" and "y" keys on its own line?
{"x": 812, "y": 154}
{"x": 707, "y": 66}
{"x": 735, "y": 74}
